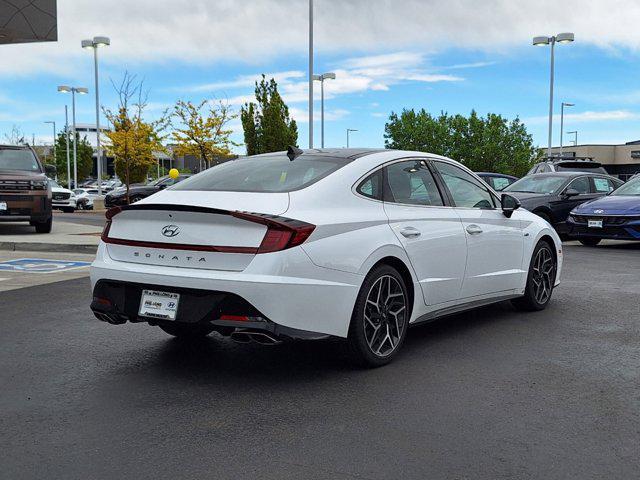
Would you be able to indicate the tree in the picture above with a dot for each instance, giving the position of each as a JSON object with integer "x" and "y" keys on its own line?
{"x": 202, "y": 130}
{"x": 490, "y": 143}
{"x": 267, "y": 125}
{"x": 132, "y": 140}
{"x": 15, "y": 136}
{"x": 84, "y": 156}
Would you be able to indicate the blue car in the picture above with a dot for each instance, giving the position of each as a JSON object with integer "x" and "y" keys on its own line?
{"x": 615, "y": 216}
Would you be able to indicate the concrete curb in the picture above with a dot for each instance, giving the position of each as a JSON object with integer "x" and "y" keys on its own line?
{"x": 47, "y": 247}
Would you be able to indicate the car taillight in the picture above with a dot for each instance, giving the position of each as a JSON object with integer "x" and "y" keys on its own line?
{"x": 282, "y": 233}
{"x": 109, "y": 214}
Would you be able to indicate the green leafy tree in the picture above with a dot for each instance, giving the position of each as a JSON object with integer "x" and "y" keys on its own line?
{"x": 267, "y": 125}
{"x": 202, "y": 129}
{"x": 490, "y": 143}
{"x": 84, "y": 157}
{"x": 132, "y": 140}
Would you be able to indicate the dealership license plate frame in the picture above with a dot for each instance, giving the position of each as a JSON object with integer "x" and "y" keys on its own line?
{"x": 594, "y": 223}
{"x": 159, "y": 304}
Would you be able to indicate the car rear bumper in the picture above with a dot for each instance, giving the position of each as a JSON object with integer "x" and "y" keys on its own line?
{"x": 290, "y": 292}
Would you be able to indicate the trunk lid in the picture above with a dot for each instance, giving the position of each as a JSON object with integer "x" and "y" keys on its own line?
{"x": 192, "y": 229}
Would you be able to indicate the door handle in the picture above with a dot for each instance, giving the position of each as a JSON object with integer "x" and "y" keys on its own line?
{"x": 474, "y": 229}
{"x": 410, "y": 232}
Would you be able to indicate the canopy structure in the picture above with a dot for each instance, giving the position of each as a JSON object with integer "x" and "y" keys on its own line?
{"x": 26, "y": 21}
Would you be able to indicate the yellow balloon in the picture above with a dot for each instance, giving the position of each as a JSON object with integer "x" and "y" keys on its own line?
{"x": 173, "y": 173}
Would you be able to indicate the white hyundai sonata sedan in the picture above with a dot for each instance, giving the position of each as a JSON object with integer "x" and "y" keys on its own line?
{"x": 357, "y": 244}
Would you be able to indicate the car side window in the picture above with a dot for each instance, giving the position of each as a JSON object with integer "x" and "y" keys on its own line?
{"x": 500, "y": 183}
{"x": 603, "y": 185}
{"x": 411, "y": 183}
{"x": 580, "y": 184}
{"x": 371, "y": 186}
{"x": 465, "y": 190}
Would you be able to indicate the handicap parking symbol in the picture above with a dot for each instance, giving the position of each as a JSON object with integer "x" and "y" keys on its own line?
{"x": 40, "y": 265}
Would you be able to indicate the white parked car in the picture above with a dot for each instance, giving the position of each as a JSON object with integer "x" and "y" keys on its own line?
{"x": 86, "y": 196}
{"x": 62, "y": 198}
{"x": 357, "y": 244}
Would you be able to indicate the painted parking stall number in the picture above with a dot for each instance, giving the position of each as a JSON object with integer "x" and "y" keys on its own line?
{"x": 40, "y": 265}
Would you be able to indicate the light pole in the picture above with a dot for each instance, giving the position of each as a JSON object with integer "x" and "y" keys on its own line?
{"x": 575, "y": 141}
{"x": 564, "y": 104}
{"x": 543, "y": 41}
{"x": 321, "y": 79}
{"x": 310, "y": 73}
{"x": 54, "y": 138}
{"x": 79, "y": 91}
{"x": 349, "y": 130}
{"x": 94, "y": 44}
{"x": 66, "y": 131}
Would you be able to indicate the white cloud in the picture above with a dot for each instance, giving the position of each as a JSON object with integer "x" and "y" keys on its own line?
{"x": 354, "y": 75}
{"x": 588, "y": 116}
{"x": 163, "y": 31}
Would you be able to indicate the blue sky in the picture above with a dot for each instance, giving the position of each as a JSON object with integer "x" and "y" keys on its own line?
{"x": 399, "y": 55}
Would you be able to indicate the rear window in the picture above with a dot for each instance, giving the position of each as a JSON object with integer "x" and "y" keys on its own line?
{"x": 586, "y": 167}
{"x": 18, "y": 159}
{"x": 272, "y": 173}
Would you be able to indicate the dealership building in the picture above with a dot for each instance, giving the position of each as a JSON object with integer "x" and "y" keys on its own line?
{"x": 620, "y": 160}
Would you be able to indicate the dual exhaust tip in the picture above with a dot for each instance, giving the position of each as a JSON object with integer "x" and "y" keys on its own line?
{"x": 246, "y": 336}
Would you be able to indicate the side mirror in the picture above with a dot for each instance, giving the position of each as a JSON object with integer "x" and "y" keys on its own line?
{"x": 509, "y": 204}
{"x": 571, "y": 192}
{"x": 50, "y": 170}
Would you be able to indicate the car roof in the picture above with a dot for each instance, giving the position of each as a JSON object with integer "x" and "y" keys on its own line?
{"x": 345, "y": 153}
{"x": 15, "y": 147}
{"x": 569, "y": 174}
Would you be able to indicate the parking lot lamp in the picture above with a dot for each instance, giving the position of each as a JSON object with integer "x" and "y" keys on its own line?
{"x": 543, "y": 41}
{"x": 564, "y": 104}
{"x": 575, "y": 132}
{"x": 321, "y": 79}
{"x": 79, "y": 91}
{"x": 66, "y": 134}
{"x": 94, "y": 44}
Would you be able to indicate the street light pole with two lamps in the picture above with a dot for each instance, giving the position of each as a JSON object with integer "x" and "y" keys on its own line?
{"x": 79, "y": 91}
{"x": 575, "y": 132}
{"x": 544, "y": 41}
{"x": 94, "y": 44}
{"x": 321, "y": 79}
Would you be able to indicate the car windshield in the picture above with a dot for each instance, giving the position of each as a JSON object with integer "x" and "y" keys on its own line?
{"x": 18, "y": 159}
{"x": 632, "y": 188}
{"x": 273, "y": 173}
{"x": 54, "y": 184}
{"x": 536, "y": 184}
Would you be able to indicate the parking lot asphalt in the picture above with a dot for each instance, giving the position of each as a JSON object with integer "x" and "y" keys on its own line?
{"x": 489, "y": 394}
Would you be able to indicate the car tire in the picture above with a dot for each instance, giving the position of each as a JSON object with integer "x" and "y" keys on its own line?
{"x": 589, "y": 241}
{"x": 188, "y": 331}
{"x": 43, "y": 227}
{"x": 543, "y": 269}
{"x": 135, "y": 199}
{"x": 379, "y": 325}
{"x": 68, "y": 210}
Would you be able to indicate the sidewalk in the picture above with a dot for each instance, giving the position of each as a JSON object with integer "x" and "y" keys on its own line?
{"x": 65, "y": 237}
